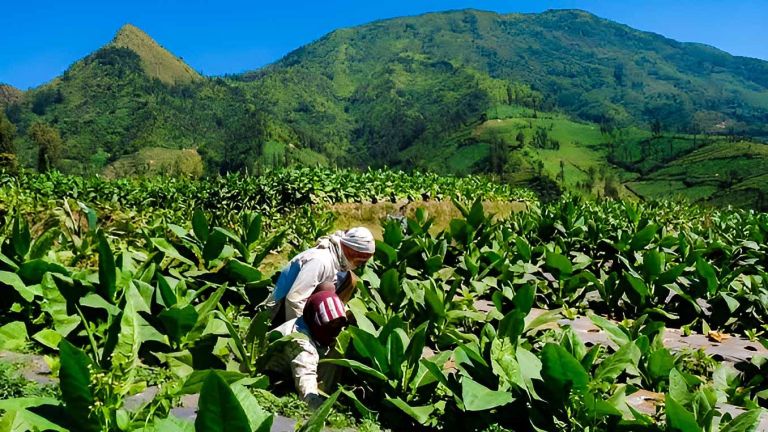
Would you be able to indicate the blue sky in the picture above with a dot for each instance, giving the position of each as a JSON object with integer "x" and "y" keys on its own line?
{"x": 40, "y": 39}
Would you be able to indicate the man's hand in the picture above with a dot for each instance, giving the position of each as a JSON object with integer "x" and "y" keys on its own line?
{"x": 314, "y": 400}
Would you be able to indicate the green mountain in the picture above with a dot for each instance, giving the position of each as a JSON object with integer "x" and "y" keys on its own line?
{"x": 132, "y": 94}
{"x": 561, "y": 94}
{"x": 590, "y": 68}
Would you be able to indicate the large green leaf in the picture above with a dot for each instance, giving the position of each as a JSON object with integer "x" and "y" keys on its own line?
{"x": 74, "y": 382}
{"x": 253, "y": 223}
{"x": 419, "y": 413}
{"x": 512, "y": 325}
{"x": 393, "y": 233}
{"x": 32, "y": 271}
{"x": 20, "y": 236}
{"x": 214, "y": 245}
{"x": 368, "y": 346}
{"x": 560, "y": 263}
{"x": 476, "y": 214}
{"x": 43, "y": 243}
{"x": 178, "y": 321}
{"x": 14, "y": 281}
{"x": 55, "y": 305}
{"x": 744, "y": 422}
{"x": 478, "y": 397}
{"x": 359, "y": 310}
{"x": 218, "y": 408}
{"x": 504, "y": 364}
{"x": 707, "y": 272}
{"x": 561, "y": 372}
{"x": 167, "y": 248}
{"x": 22, "y": 419}
{"x": 357, "y": 366}
{"x": 525, "y": 298}
{"x": 653, "y": 263}
{"x": 167, "y": 295}
{"x": 48, "y": 337}
{"x": 107, "y": 270}
{"x": 390, "y": 288}
{"x": 660, "y": 363}
{"x": 13, "y": 336}
{"x": 615, "y": 333}
{"x": 200, "y": 225}
{"x": 530, "y": 368}
{"x": 204, "y": 313}
{"x": 679, "y": 419}
{"x": 638, "y": 285}
{"x": 624, "y": 360}
{"x": 134, "y": 330}
{"x": 643, "y": 238}
{"x": 194, "y": 382}
{"x": 678, "y": 387}
{"x": 523, "y": 248}
{"x": 415, "y": 348}
{"x": 316, "y": 421}
{"x": 170, "y": 424}
{"x": 96, "y": 301}
{"x": 258, "y": 419}
{"x": 385, "y": 254}
{"x": 243, "y": 272}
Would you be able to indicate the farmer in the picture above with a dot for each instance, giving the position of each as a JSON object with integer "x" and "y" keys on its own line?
{"x": 323, "y": 317}
{"x": 331, "y": 260}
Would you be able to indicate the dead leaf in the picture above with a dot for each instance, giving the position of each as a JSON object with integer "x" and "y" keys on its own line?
{"x": 716, "y": 336}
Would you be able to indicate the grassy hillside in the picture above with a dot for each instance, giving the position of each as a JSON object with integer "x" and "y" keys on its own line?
{"x": 584, "y": 157}
{"x": 156, "y": 61}
{"x": 721, "y": 173}
{"x": 157, "y": 161}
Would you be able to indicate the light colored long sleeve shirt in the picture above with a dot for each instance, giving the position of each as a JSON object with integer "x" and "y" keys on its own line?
{"x": 300, "y": 277}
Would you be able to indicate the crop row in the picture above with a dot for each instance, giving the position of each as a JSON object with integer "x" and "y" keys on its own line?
{"x": 183, "y": 299}
{"x": 272, "y": 192}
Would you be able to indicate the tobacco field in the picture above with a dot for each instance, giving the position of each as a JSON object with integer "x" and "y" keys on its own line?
{"x": 128, "y": 284}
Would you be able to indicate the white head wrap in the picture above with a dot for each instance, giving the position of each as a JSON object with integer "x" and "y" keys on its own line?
{"x": 359, "y": 239}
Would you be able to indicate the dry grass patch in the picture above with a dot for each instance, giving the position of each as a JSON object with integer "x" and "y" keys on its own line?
{"x": 370, "y": 215}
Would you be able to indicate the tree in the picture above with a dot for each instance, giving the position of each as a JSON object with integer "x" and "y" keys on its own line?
{"x": 656, "y": 127}
{"x": 49, "y": 145}
{"x": 611, "y": 187}
{"x": 540, "y": 138}
{"x": 7, "y": 148}
{"x": 561, "y": 175}
{"x": 618, "y": 73}
{"x": 520, "y": 138}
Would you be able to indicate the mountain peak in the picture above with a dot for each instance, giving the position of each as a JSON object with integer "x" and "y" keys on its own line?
{"x": 156, "y": 60}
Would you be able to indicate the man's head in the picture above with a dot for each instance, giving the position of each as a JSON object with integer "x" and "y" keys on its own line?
{"x": 358, "y": 246}
{"x": 325, "y": 315}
